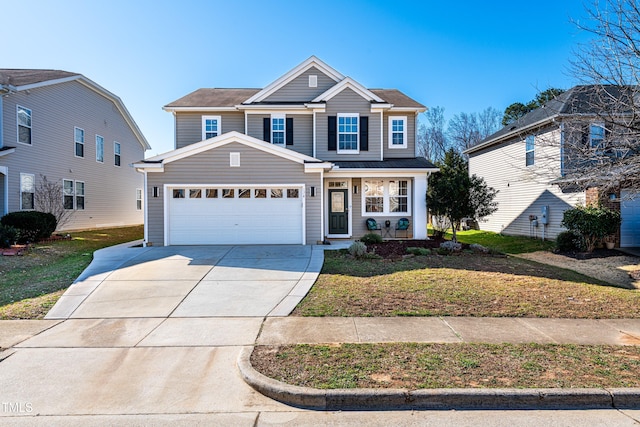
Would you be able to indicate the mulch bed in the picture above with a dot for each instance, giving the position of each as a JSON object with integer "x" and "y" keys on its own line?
{"x": 398, "y": 248}
{"x": 597, "y": 253}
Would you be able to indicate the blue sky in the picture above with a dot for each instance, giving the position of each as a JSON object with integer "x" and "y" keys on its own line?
{"x": 463, "y": 56}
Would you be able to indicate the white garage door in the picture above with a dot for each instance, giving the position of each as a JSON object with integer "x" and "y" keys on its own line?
{"x": 630, "y": 228}
{"x": 235, "y": 215}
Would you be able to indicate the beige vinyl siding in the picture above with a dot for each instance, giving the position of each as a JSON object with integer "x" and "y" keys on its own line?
{"x": 298, "y": 89}
{"x": 524, "y": 190}
{"x": 401, "y": 153}
{"x": 110, "y": 191}
{"x": 302, "y": 131}
{"x": 348, "y": 101}
{"x": 189, "y": 125}
{"x": 212, "y": 167}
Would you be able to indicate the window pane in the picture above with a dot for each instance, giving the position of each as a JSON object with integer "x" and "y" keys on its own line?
{"x": 27, "y": 201}
{"x": 79, "y": 188}
{"x": 99, "y": 148}
{"x": 260, "y": 193}
{"x": 27, "y": 183}
{"x": 374, "y": 204}
{"x": 79, "y": 150}
{"x": 79, "y": 135}
{"x": 212, "y": 193}
{"x": 195, "y": 193}
{"x": 227, "y": 193}
{"x": 24, "y": 135}
{"x": 276, "y": 193}
{"x": 373, "y": 188}
{"x": 178, "y": 193}
{"x": 292, "y": 193}
{"x": 68, "y": 202}
{"x": 244, "y": 193}
{"x": 24, "y": 117}
{"x": 398, "y": 204}
{"x": 80, "y": 203}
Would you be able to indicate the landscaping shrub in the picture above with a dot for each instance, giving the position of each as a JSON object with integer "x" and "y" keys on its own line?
{"x": 475, "y": 247}
{"x": 451, "y": 246}
{"x": 33, "y": 225}
{"x": 8, "y": 235}
{"x": 569, "y": 241}
{"x": 358, "y": 249}
{"x": 371, "y": 238}
{"x": 419, "y": 251}
{"x": 592, "y": 223}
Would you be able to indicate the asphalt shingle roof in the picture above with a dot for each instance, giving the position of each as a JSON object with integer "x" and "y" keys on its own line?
{"x": 22, "y": 77}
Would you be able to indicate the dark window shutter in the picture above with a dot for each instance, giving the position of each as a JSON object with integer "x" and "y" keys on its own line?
{"x": 289, "y": 129}
{"x": 332, "y": 133}
{"x": 266, "y": 129}
{"x": 364, "y": 133}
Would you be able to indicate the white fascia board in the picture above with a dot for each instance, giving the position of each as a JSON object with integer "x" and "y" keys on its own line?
{"x": 203, "y": 109}
{"x": 348, "y": 82}
{"x": 509, "y": 135}
{"x": 317, "y": 167}
{"x": 48, "y": 83}
{"x": 377, "y": 173}
{"x": 292, "y": 74}
{"x": 319, "y": 107}
{"x": 407, "y": 109}
{"x": 282, "y": 109}
{"x": 7, "y": 151}
{"x": 380, "y": 108}
{"x": 148, "y": 168}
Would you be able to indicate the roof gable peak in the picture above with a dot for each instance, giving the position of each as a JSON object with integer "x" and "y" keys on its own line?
{"x": 348, "y": 82}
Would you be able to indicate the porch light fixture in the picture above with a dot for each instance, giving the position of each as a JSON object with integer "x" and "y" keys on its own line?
{"x": 355, "y": 189}
{"x": 312, "y": 191}
{"x": 155, "y": 191}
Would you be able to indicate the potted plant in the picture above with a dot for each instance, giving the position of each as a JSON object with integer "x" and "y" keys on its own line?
{"x": 610, "y": 241}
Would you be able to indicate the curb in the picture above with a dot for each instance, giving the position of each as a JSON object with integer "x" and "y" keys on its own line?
{"x": 386, "y": 399}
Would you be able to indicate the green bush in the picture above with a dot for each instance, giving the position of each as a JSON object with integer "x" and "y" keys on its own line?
{"x": 419, "y": 251}
{"x": 8, "y": 235}
{"x": 371, "y": 238}
{"x": 33, "y": 225}
{"x": 569, "y": 241}
{"x": 358, "y": 249}
{"x": 592, "y": 223}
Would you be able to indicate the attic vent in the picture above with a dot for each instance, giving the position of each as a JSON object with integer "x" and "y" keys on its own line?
{"x": 234, "y": 160}
{"x": 313, "y": 80}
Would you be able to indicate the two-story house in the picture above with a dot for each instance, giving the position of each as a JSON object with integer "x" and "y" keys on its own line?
{"x": 310, "y": 156}
{"x": 543, "y": 164}
{"x": 63, "y": 127}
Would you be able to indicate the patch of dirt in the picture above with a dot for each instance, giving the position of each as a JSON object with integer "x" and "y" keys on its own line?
{"x": 394, "y": 249}
{"x": 619, "y": 270}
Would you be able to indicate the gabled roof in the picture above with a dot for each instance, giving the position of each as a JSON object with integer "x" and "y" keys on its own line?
{"x": 212, "y": 98}
{"x": 157, "y": 162}
{"x": 398, "y": 99}
{"x": 583, "y": 100}
{"x": 16, "y": 80}
{"x": 312, "y": 61}
{"x": 348, "y": 82}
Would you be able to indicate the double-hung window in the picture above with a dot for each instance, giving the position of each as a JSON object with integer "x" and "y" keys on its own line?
{"x": 99, "y": 149}
{"x": 596, "y": 136}
{"x": 278, "y": 129}
{"x": 530, "y": 146}
{"x": 79, "y": 195}
{"x": 397, "y": 132}
{"x": 388, "y": 197}
{"x": 27, "y": 191}
{"x": 348, "y": 133}
{"x": 68, "y": 193}
{"x": 139, "y": 199}
{"x": 78, "y": 138}
{"x": 116, "y": 153}
{"x": 211, "y": 126}
{"x": 24, "y": 125}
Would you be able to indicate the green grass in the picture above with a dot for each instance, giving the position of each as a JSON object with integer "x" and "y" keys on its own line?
{"x": 503, "y": 243}
{"x": 31, "y": 284}
{"x": 416, "y": 366}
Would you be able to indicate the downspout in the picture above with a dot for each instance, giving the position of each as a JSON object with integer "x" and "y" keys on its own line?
{"x": 1, "y": 117}
{"x": 145, "y": 208}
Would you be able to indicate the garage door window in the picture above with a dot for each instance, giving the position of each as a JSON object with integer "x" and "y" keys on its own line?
{"x": 227, "y": 193}
{"x": 178, "y": 193}
{"x": 195, "y": 193}
{"x": 260, "y": 193}
{"x": 292, "y": 193}
{"x": 244, "y": 193}
{"x": 211, "y": 193}
{"x": 276, "y": 193}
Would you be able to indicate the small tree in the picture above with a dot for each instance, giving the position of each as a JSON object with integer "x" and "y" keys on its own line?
{"x": 49, "y": 198}
{"x": 455, "y": 195}
{"x": 593, "y": 223}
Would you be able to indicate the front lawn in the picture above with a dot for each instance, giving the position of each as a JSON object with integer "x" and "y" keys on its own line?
{"x": 417, "y": 366}
{"x": 31, "y": 284}
{"x": 502, "y": 243}
{"x": 461, "y": 285}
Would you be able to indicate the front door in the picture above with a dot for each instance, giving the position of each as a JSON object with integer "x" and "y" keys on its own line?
{"x": 338, "y": 212}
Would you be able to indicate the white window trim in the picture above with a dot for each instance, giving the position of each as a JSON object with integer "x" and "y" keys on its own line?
{"x": 533, "y": 150}
{"x": 33, "y": 178}
{"x": 404, "y": 132}
{"x": 204, "y": 128}
{"x": 117, "y": 144}
{"x": 139, "y": 197}
{"x": 338, "y": 150}
{"x": 83, "y": 195}
{"x": 386, "y": 204}
{"x": 284, "y": 128}
{"x": 18, "y": 107}
{"x": 76, "y": 142}
{"x": 101, "y": 151}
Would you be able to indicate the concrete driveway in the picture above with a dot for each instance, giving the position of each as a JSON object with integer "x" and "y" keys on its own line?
{"x": 192, "y": 281}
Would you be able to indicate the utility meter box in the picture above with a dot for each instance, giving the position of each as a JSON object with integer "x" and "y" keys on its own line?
{"x": 544, "y": 215}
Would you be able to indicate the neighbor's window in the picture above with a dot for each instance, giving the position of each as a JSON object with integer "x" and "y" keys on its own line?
{"x": 397, "y": 132}
{"x": 27, "y": 191}
{"x": 596, "y": 135}
{"x": 139, "y": 199}
{"x": 277, "y": 129}
{"x": 68, "y": 193}
{"x": 99, "y": 149}
{"x": 79, "y": 195}
{"x": 211, "y": 126}
{"x": 374, "y": 196}
{"x": 348, "y": 132}
{"x": 116, "y": 153}
{"x": 530, "y": 143}
{"x": 24, "y": 125}
{"x": 78, "y": 138}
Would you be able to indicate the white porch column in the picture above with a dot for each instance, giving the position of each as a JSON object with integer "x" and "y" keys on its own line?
{"x": 420, "y": 206}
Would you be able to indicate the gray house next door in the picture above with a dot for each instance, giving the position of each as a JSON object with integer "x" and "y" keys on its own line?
{"x": 338, "y": 213}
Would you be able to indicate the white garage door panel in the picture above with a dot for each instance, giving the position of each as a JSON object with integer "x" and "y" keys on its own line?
{"x": 235, "y": 221}
{"x": 630, "y": 228}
